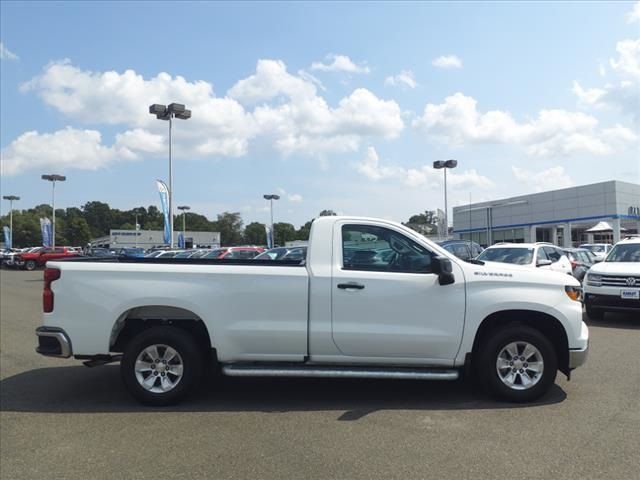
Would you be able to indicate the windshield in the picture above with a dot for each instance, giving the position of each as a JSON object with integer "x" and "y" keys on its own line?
{"x": 215, "y": 253}
{"x": 629, "y": 252}
{"x": 594, "y": 248}
{"x": 518, "y": 256}
{"x": 273, "y": 254}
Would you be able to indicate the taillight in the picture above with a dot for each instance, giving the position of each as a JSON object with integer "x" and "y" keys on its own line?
{"x": 50, "y": 274}
{"x": 574, "y": 264}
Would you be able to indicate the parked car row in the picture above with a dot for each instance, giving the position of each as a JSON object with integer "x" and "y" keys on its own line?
{"x": 610, "y": 274}
{"x": 36, "y": 257}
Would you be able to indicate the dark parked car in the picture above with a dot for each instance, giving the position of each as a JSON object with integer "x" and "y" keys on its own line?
{"x": 581, "y": 261}
{"x": 283, "y": 253}
{"x": 463, "y": 249}
{"x": 129, "y": 252}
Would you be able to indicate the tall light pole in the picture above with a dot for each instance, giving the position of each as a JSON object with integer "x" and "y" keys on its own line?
{"x": 184, "y": 209}
{"x": 11, "y": 198}
{"x": 173, "y": 110}
{"x": 271, "y": 198}
{"x": 444, "y": 164}
{"x": 53, "y": 178}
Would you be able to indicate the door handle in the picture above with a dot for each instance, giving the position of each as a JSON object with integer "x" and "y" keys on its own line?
{"x": 356, "y": 286}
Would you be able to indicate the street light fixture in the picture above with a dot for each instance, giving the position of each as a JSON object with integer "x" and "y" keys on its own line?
{"x": 445, "y": 164}
{"x": 11, "y": 198}
{"x": 174, "y": 110}
{"x": 53, "y": 178}
{"x": 271, "y": 198}
{"x": 184, "y": 209}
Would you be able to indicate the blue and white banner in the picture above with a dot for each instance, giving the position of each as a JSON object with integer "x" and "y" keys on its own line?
{"x": 164, "y": 201}
{"x": 47, "y": 231}
{"x": 180, "y": 240}
{"x": 267, "y": 230}
{"x": 7, "y": 236}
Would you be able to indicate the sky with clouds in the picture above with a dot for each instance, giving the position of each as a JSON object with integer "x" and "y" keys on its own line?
{"x": 339, "y": 106}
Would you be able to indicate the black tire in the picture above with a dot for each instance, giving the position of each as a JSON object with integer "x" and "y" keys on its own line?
{"x": 190, "y": 354}
{"x": 594, "y": 314}
{"x": 492, "y": 380}
{"x": 30, "y": 265}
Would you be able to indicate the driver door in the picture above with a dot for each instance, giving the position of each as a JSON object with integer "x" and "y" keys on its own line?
{"x": 386, "y": 301}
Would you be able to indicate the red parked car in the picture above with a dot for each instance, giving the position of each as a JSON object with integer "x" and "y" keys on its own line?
{"x": 37, "y": 259}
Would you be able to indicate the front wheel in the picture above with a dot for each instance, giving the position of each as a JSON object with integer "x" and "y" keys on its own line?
{"x": 518, "y": 364}
{"x": 30, "y": 265}
{"x": 161, "y": 365}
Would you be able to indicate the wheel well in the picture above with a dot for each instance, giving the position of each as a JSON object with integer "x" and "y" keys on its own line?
{"x": 135, "y": 320}
{"x": 546, "y": 324}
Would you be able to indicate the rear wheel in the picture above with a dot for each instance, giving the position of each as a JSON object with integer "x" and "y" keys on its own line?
{"x": 594, "y": 314}
{"x": 30, "y": 265}
{"x": 161, "y": 365}
{"x": 518, "y": 364}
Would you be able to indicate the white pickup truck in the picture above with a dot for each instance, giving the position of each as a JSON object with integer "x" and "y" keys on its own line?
{"x": 373, "y": 299}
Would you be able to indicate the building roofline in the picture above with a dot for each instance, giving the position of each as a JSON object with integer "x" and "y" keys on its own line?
{"x": 529, "y": 195}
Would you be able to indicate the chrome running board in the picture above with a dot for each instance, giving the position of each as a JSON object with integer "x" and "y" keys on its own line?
{"x": 256, "y": 370}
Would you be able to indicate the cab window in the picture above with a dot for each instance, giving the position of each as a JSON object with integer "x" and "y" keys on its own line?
{"x": 373, "y": 248}
{"x": 553, "y": 254}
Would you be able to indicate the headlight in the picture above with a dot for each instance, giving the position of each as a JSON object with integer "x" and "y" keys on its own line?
{"x": 594, "y": 280}
{"x": 574, "y": 293}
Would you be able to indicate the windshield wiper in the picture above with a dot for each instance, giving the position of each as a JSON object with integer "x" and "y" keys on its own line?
{"x": 474, "y": 261}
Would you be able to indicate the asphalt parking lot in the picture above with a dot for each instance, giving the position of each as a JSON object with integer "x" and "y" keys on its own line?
{"x": 59, "y": 419}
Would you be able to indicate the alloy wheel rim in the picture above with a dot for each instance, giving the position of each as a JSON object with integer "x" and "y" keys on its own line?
{"x": 520, "y": 365}
{"x": 159, "y": 368}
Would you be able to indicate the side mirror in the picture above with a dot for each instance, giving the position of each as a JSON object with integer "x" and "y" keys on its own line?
{"x": 442, "y": 267}
{"x": 543, "y": 263}
{"x": 598, "y": 259}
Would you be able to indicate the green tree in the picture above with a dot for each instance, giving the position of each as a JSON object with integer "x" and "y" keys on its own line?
{"x": 255, "y": 234}
{"x": 283, "y": 232}
{"x": 303, "y": 232}
{"x": 26, "y": 228}
{"x": 99, "y": 218}
{"x": 425, "y": 223}
{"x": 230, "y": 227}
{"x": 77, "y": 231}
{"x": 327, "y": 213}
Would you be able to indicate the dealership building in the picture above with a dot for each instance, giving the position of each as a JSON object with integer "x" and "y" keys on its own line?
{"x": 598, "y": 213}
{"x": 155, "y": 238}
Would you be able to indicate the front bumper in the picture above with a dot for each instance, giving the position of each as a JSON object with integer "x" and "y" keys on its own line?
{"x": 578, "y": 357}
{"x": 611, "y": 302}
{"x": 53, "y": 342}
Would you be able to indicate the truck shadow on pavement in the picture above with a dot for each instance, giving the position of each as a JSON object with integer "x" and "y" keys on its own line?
{"x": 79, "y": 389}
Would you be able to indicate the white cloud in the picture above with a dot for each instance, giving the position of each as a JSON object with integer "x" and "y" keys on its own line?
{"x": 624, "y": 92}
{"x": 271, "y": 80}
{"x": 628, "y": 62}
{"x": 281, "y": 109}
{"x": 6, "y": 54}
{"x": 551, "y": 179}
{"x": 404, "y": 79}
{"x": 65, "y": 149}
{"x": 447, "y": 62}
{"x": 553, "y": 132}
{"x": 291, "y": 197}
{"x": 339, "y": 63}
{"x": 371, "y": 168}
{"x": 634, "y": 14}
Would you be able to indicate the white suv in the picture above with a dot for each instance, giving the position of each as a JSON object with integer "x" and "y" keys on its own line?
{"x": 540, "y": 255}
{"x": 614, "y": 285}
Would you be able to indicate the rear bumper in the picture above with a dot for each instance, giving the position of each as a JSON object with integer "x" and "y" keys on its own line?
{"x": 53, "y": 342}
